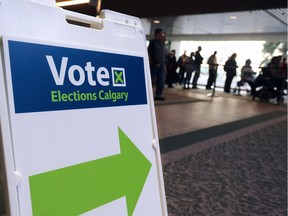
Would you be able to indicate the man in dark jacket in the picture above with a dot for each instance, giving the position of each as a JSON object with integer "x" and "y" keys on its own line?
{"x": 198, "y": 62}
{"x": 171, "y": 66}
{"x": 157, "y": 55}
{"x": 230, "y": 69}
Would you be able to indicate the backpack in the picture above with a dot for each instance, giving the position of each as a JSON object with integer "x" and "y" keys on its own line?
{"x": 226, "y": 68}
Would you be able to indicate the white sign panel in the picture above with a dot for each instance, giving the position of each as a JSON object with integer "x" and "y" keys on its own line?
{"x": 82, "y": 130}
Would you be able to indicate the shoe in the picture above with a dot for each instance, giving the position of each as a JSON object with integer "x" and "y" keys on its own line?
{"x": 208, "y": 88}
{"x": 195, "y": 88}
{"x": 160, "y": 98}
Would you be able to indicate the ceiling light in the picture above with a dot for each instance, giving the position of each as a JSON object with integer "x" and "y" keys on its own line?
{"x": 72, "y": 2}
{"x": 156, "y": 21}
{"x": 233, "y": 17}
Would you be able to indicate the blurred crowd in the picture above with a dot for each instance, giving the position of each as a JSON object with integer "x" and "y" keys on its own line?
{"x": 167, "y": 69}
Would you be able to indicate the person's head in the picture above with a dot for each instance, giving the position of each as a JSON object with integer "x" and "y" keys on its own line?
{"x": 199, "y": 48}
{"x": 215, "y": 52}
{"x": 275, "y": 60}
{"x": 248, "y": 62}
{"x": 173, "y": 52}
{"x": 233, "y": 56}
{"x": 192, "y": 54}
{"x": 279, "y": 58}
{"x": 158, "y": 33}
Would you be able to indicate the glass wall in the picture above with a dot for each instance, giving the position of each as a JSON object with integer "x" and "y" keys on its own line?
{"x": 244, "y": 49}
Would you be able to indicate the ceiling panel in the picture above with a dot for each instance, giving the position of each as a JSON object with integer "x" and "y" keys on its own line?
{"x": 161, "y": 8}
{"x": 251, "y": 23}
{"x": 202, "y": 17}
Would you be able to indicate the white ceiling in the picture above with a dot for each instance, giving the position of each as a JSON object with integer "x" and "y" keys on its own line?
{"x": 249, "y": 25}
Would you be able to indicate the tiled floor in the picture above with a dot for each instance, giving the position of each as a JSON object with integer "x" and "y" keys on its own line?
{"x": 190, "y": 110}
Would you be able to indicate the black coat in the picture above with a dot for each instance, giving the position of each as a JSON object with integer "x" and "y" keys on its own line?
{"x": 230, "y": 67}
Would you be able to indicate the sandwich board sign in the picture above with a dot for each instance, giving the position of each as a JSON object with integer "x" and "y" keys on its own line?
{"x": 78, "y": 127}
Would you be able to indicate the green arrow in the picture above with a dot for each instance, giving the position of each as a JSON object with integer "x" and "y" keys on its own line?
{"x": 80, "y": 188}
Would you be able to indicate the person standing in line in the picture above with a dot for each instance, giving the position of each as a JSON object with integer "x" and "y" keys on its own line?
{"x": 190, "y": 68}
{"x": 171, "y": 66}
{"x": 181, "y": 63}
{"x": 157, "y": 56}
{"x": 198, "y": 62}
{"x": 212, "y": 62}
{"x": 230, "y": 69}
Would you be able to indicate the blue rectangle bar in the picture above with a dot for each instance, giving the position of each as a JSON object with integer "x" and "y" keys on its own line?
{"x": 47, "y": 78}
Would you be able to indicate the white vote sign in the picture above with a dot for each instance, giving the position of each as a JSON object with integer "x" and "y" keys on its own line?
{"x": 77, "y": 116}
